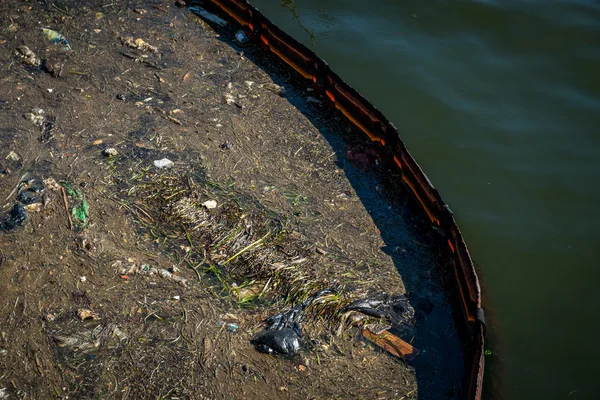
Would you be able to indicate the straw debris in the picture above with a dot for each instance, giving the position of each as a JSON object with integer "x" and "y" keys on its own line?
{"x": 250, "y": 250}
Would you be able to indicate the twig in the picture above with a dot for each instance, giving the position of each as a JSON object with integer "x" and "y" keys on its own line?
{"x": 160, "y": 9}
{"x": 67, "y": 208}
{"x": 143, "y": 212}
{"x": 250, "y": 246}
{"x": 195, "y": 270}
{"x": 61, "y": 10}
{"x": 16, "y": 186}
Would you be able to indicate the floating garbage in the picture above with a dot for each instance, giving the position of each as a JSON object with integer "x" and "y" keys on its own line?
{"x": 283, "y": 333}
{"x": 275, "y": 88}
{"x": 84, "y": 314}
{"x": 15, "y": 218}
{"x": 313, "y": 100}
{"x": 229, "y": 99}
{"x": 210, "y": 204}
{"x": 201, "y": 12}
{"x": 36, "y": 116}
{"x": 394, "y": 309}
{"x": 283, "y": 341}
{"x": 80, "y": 210}
{"x": 27, "y": 56}
{"x": 146, "y": 269}
{"x": 85, "y": 341}
{"x": 31, "y": 195}
{"x": 47, "y": 124}
{"x": 241, "y": 38}
{"x": 138, "y": 43}
{"x": 13, "y": 156}
{"x": 163, "y": 163}
{"x": 56, "y": 38}
{"x": 110, "y": 152}
{"x": 51, "y": 184}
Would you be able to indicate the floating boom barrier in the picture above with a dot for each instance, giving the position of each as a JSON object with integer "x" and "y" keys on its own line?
{"x": 379, "y": 129}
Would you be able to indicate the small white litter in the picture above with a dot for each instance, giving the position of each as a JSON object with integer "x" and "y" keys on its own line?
{"x": 210, "y": 204}
{"x": 164, "y": 163}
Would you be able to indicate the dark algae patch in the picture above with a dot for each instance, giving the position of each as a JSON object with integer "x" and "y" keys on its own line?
{"x": 182, "y": 219}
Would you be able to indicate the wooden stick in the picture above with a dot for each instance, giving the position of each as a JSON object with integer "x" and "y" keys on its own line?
{"x": 390, "y": 342}
{"x": 67, "y": 208}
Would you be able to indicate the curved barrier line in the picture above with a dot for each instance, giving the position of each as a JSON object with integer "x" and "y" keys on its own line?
{"x": 375, "y": 125}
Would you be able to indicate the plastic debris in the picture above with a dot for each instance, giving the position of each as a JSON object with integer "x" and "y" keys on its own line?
{"x": 138, "y": 43}
{"x": 241, "y": 38}
{"x": 147, "y": 270}
{"x": 84, "y": 314}
{"x": 13, "y": 156}
{"x": 80, "y": 211}
{"x": 283, "y": 333}
{"x": 313, "y": 100}
{"x": 34, "y": 207}
{"x": 201, "y": 12}
{"x": 110, "y": 152}
{"x": 86, "y": 341}
{"x": 395, "y": 309}
{"x": 51, "y": 184}
{"x": 229, "y": 99}
{"x": 249, "y": 292}
{"x": 48, "y": 127}
{"x": 31, "y": 195}
{"x": 226, "y": 146}
{"x": 210, "y": 204}
{"x": 27, "y": 56}
{"x": 232, "y": 328}
{"x": 283, "y": 341}
{"x": 275, "y": 88}
{"x": 36, "y": 116}
{"x": 163, "y": 163}
{"x": 56, "y": 38}
{"x": 15, "y": 218}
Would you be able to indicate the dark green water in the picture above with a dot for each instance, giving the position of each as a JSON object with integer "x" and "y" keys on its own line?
{"x": 499, "y": 101}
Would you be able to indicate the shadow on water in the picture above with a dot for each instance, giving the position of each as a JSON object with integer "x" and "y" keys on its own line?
{"x": 424, "y": 268}
{"x": 410, "y": 241}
